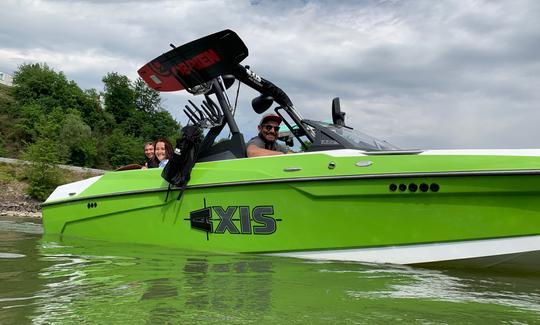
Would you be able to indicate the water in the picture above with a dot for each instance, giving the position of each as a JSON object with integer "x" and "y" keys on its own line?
{"x": 86, "y": 282}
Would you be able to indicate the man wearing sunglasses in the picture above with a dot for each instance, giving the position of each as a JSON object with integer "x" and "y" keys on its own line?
{"x": 264, "y": 144}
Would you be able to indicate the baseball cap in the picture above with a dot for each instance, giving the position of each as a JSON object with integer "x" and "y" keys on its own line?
{"x": 270, "y": 117}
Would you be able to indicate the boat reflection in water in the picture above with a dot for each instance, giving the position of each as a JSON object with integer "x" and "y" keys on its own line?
{"x": 98, "y": 283}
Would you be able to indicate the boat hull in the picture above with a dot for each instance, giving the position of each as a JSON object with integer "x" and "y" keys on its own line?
{"x": 337, "y": 218}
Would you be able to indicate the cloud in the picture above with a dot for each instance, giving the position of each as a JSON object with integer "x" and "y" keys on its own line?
{"x": 451, "y": 73}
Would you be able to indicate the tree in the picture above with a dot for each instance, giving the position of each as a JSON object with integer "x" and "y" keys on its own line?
{"x": 119, "y": 96}
{"x": 163, "y": 125}
{"x": 38, "y": 84}
{"x": 146, "y": 99}
{"x": 86, "y": 127}
{"x": 149, "y": 121}
{"x": 76, "y": 136}
{"x": 91, "y": 110}
{"x": 7, "y": 102}
{"x": 123, "y": 149}
{"x": 29, "y": 116}
{"x": 42, "y": 173}
{"x": 45, "y": 98}
{"x": 7, "y": 107}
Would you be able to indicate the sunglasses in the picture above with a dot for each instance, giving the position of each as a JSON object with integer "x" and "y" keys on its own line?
{"x": 269, "y": 127}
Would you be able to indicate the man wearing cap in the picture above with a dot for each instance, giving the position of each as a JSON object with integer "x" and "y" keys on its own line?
{"x": 264, "y": 144}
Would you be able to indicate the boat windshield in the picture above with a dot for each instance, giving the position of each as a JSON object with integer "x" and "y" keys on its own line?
{"x": 358, "y": 139}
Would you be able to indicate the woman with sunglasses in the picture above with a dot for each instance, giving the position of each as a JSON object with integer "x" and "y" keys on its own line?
{"x": 265, "y": 143}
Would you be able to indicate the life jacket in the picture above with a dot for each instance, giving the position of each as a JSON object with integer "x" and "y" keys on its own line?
{"x": 178, "y": 170}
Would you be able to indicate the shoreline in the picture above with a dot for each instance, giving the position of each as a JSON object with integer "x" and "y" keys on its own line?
{"x": 14, "y": 201}
{"x": 22, "y": 214}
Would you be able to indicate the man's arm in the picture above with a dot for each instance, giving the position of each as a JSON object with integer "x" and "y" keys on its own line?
{"x": 254, "y": 151}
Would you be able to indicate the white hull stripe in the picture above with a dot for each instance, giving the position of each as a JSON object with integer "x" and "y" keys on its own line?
{"x": 450, "y": 152}
{"x": 437, "y": 252}
{"x": 484, "y": 152}
{"x": 72, "y": 189}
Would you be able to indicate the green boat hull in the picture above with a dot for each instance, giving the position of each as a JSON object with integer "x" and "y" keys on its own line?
{"x": 297, "y": 203}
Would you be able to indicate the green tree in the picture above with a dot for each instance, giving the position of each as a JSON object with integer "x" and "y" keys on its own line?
{"x": 45, "y": 98}
{"x": 77, "y": 138}
{"x": 162, "y": 125}
{"x": 122, "y": 149}
{"x": 92, "y": 111}
{"x": 37, "y": 83}
{"x": 151, "y": 126}
{"x": 50, "y": 125}
{"x": 42, "y": 173}
{"x": 2, "y": 144}
{"x": 149, "y": 120}
{"x": 146, "y": 99}
{"x": 25, "y": 128}
{"x": 87, "y": 128}
{"x": 7, "y": 105}
{"x": 119, "y": 96}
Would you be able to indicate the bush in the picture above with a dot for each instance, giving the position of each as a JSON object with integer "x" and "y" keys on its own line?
{"x": 42, "y": 173}
{"x": 123, "y": 149}
{"x": 7, "y": 103}
{"x": 7, "y": 173}
{"x": 2, "y": 151}
{"x": 77, "y": 137}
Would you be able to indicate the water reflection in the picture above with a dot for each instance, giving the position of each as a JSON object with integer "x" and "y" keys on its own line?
{"x": 446, "y": 286}
{"x": 162, "y": 283}
{"x": 75, "y": 281}
{"x": 92, "y": 281}
{"x": 19, "y": 265}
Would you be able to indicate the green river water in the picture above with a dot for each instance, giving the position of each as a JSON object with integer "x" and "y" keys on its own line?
{"x": 53, "y": 281}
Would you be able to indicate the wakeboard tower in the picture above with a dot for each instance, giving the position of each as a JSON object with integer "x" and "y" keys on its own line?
{"x": 347, "y": 196}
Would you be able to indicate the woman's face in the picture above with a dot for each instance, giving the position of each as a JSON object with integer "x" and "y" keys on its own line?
{"x": 160, "y": 151}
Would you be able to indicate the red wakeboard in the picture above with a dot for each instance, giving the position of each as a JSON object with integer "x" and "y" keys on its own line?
{"x": 195, "y": 63}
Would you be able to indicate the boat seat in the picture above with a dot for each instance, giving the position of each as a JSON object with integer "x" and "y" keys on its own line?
{"x": 233, "y": 148}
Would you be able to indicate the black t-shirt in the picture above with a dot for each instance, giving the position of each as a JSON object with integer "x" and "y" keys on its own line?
{"x": 151, "y": 163}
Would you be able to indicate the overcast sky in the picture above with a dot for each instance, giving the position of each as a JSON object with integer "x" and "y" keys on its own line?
{"x": 420, "y": 74}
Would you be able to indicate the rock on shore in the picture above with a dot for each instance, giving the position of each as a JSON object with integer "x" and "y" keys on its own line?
{"x": 15, "y": 202}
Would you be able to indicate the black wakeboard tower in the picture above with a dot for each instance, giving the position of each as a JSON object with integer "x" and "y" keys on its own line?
{"x": 208, "y": 66}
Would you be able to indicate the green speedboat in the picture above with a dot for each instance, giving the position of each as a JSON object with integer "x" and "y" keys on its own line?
{"x": 346, "y": 196}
